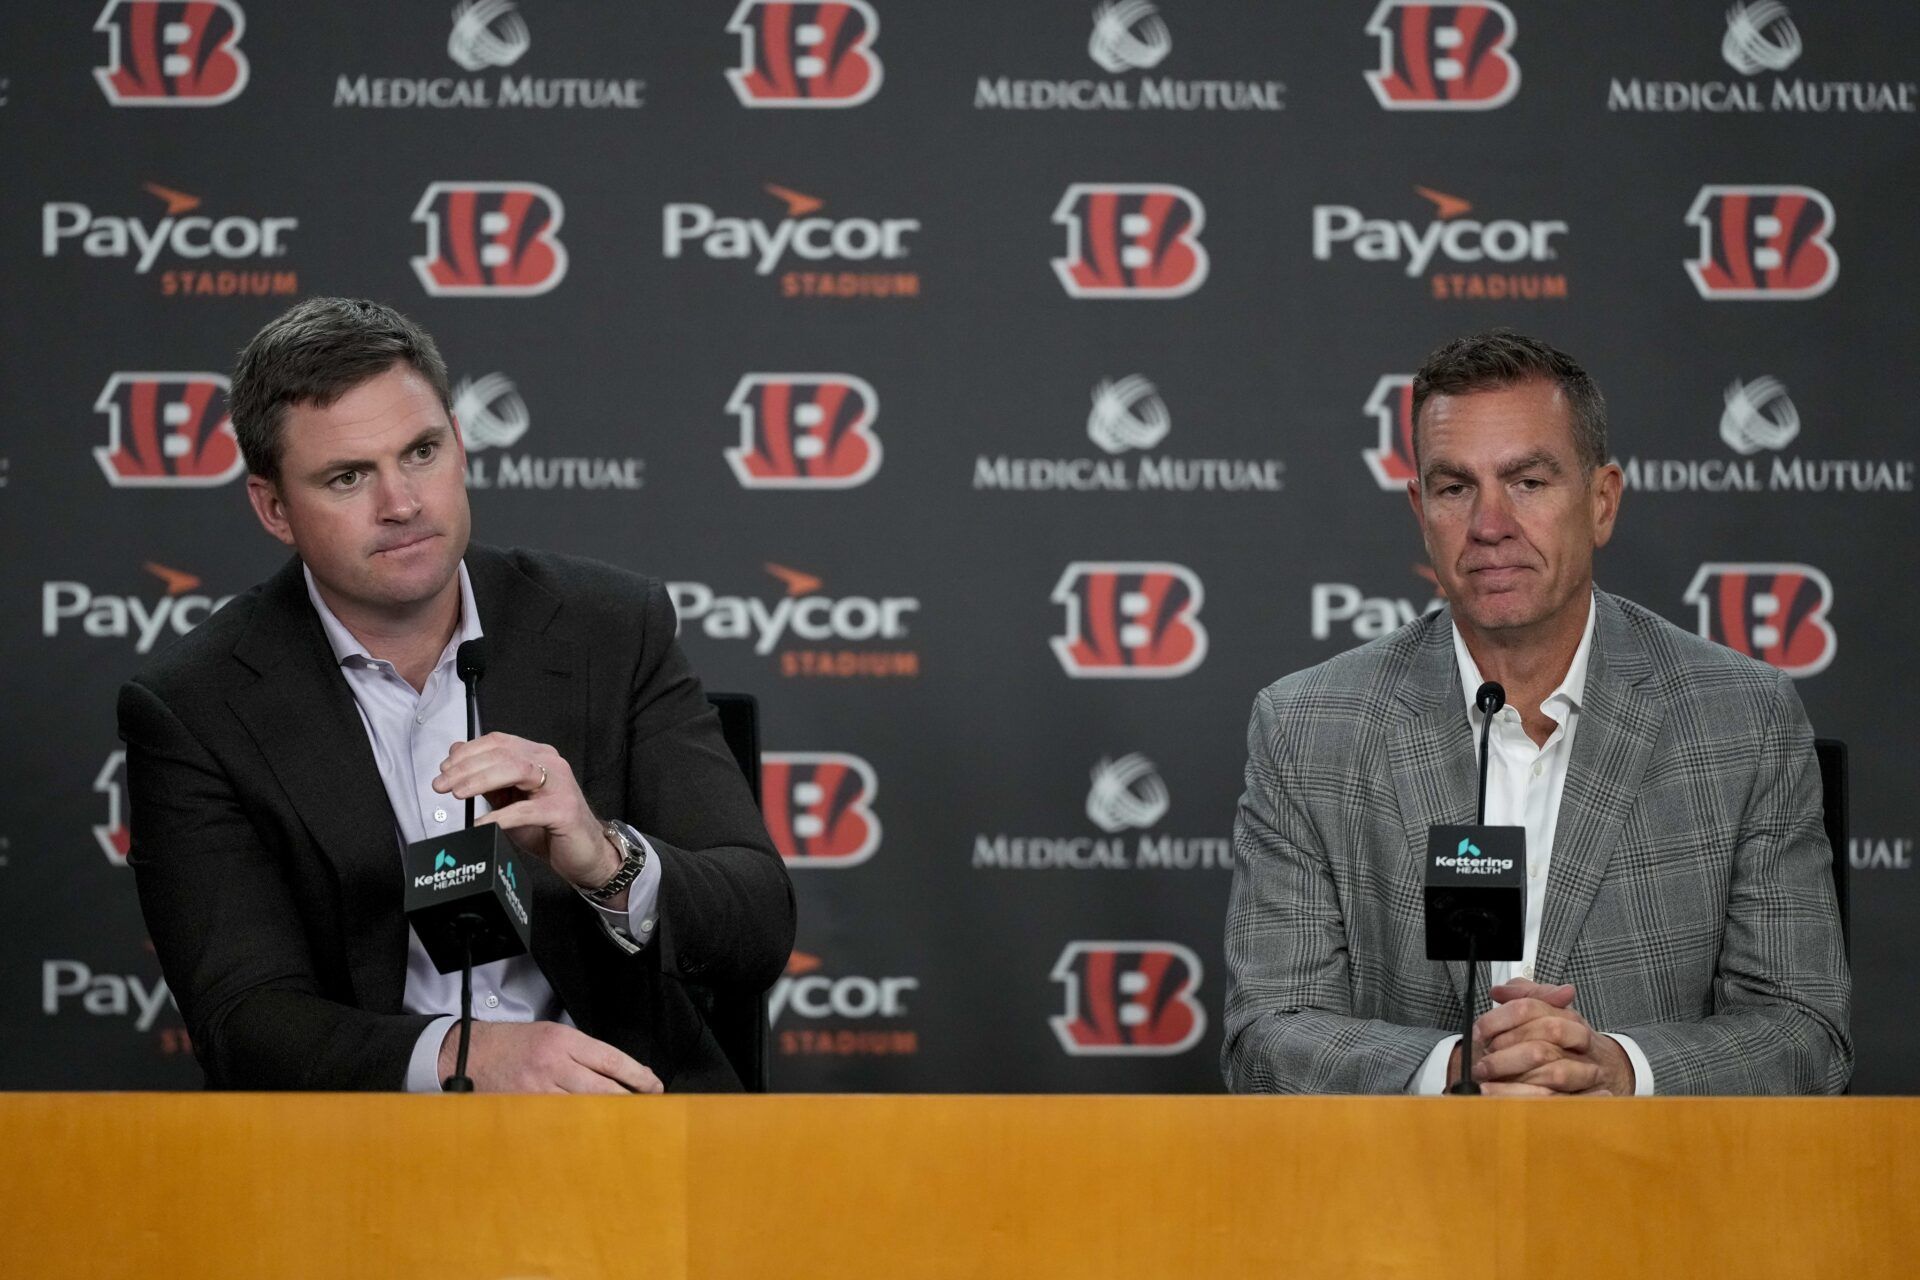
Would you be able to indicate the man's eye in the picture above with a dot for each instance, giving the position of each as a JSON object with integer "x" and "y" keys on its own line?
{"x": 345, "y": 480}
{"x": 425, "y": 451}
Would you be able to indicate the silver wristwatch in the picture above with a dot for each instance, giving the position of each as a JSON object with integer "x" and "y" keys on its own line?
{"x": 633, "y": 858}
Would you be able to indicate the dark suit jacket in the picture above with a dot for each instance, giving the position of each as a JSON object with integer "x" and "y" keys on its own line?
{"x": 265, "y": 854}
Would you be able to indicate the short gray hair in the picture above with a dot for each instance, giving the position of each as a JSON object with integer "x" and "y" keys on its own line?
{"x": 1503, "y": 358}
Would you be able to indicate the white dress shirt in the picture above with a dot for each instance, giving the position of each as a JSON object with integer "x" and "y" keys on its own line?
{"x": 1524, "y": 785}
{"x": 410, "y": 732}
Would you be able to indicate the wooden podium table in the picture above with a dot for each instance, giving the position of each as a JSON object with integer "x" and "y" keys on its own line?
{"x": 259, "y": 1186}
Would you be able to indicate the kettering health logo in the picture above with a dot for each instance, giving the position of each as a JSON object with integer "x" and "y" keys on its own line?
{"x": 1761, "y": 38}
{"x": 1128, "y": 36}
{"x": 1758, "y": 421}
{"x": 449, "y": 873}
{"x": 1128, "y": 419}
{"x": 492, "y": 415}
{"x": 1468, "y": 859}
{"x": 488, "y": 35}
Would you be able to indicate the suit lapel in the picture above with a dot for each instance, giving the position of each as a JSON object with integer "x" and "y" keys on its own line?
{"x": 535, "y": 688}
{"x": 1618, "y": 727}
{"x": 1431, "y": 753}
{"x": 302, "y": 718}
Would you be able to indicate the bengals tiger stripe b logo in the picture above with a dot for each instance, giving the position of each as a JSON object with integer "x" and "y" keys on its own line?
{"x": 490, "y": 239}
{"x": 1444, "y": 57}
{"x": 1129, "y": 620}
{"x": 1129, "y": 999}
{"x": 1391, "y": 405}
{"x": 1762, "y": 243}
{"x": 172, "y": 53}
{"x": 1131, "y": 240}
{"x": 1774, "y": 612}
{"x": 167, "y": 430}
{"x": 804, "y": 431}
{"x": 805, "y": 55}
{"x": 818, "y": 807}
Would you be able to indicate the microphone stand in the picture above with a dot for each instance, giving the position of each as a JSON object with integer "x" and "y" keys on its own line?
{"x": 1489, "y": 700}
{"x": 467, "y": 925}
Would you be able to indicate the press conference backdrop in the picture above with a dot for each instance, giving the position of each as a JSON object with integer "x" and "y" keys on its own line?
{"x": 1008, "y": 391}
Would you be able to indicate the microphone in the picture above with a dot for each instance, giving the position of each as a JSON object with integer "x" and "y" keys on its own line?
{"x": 470, "y": 663}
{"x": 464, "y": 896}
{"x": 1476, "y": 889}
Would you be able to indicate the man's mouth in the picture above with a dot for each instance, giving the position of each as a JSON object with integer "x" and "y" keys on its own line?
{"x": 412, "y": 540}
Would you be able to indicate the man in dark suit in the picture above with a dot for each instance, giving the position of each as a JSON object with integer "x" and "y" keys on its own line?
{"x": 280, "y": 757}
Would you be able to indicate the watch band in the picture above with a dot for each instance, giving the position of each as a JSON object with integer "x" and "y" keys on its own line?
{"x": 633, "y": 859}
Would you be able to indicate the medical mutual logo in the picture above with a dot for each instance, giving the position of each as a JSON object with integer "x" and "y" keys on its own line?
{"x": 1126, "y": 802}
{"x": 492, "y": 415}
{"x": 1128, "y": 420}
{"x": 486, "y": 36}
{"x": 1759, "y": 421}
{"x": 1760, "y": 43}
{"x": 1129, "y": 44}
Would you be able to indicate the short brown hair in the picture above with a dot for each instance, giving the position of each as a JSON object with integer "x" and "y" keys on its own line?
{"x": 1503, "y": 358}
{"x": 315, "y": 353}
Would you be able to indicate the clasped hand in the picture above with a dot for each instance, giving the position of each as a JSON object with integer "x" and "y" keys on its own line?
{"x": 1534, "y": 1043}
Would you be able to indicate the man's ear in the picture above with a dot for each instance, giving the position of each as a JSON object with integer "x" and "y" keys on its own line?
{"x": 265, "y": 497}
{"x": 1608, "y": 481}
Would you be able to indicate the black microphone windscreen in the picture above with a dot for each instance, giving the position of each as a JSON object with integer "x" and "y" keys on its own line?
{"x": 1490, "y": 699}
{"x": 470, "y": 660}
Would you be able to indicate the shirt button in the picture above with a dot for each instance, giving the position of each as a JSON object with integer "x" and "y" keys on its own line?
{"x": 421, "y": 719}
{"x": 1526, "y": 971}
{"x": 1539, "y": 768}
{"x": 493, "y": 1001}
{"x": 646, "y": 926}
{"x": 439, "y": 815}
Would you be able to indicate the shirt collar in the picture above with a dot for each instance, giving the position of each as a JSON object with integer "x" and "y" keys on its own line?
{"x": 345, "y": 647}
{"x": 1572, "y": 691}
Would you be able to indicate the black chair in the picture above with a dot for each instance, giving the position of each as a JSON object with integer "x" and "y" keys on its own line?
{"x": 1832, "y": 755}
{"x": 737, "y": 1016}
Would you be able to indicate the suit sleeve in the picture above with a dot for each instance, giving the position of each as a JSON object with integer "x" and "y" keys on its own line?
{"x": 1290, "y": 1027}
{"x": 726, "y": 909}
{"x": 227, "y": 931}
{"x": 1781, "y": 991}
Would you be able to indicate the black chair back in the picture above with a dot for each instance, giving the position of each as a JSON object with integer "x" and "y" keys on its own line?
{"x": 737, "y": 1016}
{"x": 1834, "y": 801}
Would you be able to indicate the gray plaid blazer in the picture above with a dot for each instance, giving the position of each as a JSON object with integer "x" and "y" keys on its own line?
{"x": 1690, "y": 898}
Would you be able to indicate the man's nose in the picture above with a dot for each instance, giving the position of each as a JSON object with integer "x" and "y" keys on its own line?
{"x": 399, "y": 498}
{"x": 1492, "y": 517}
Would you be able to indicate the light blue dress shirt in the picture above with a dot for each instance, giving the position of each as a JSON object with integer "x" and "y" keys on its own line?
{"x": 411, "y": 732}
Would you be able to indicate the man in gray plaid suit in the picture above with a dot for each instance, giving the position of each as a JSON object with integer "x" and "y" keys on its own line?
{"x": 1681, "y": 930}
